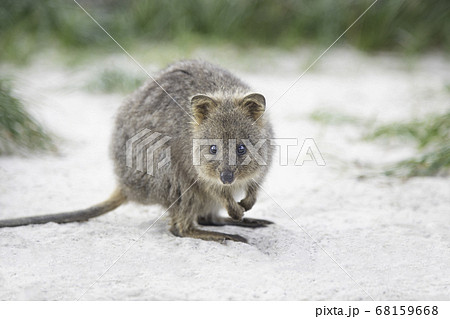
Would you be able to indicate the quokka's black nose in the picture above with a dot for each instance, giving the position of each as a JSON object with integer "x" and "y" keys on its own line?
{"x": 227, "y": 177}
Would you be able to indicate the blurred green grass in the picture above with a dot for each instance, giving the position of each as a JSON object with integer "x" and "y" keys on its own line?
{"x": 20, "y": 133}
{"x": 115, "y": 81}
{"x": 27, "y": 26}
{"x": 327, "y": 117}
{"x": 435, "y": 162}
{"x": 433, "y": 129}
{"x": 429, "y": 135}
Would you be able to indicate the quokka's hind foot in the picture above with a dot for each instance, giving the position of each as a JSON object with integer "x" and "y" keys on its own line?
{"x": 248, "y": 222}
{"x": 245, "y": 222}
{"x": 208, "y": 235}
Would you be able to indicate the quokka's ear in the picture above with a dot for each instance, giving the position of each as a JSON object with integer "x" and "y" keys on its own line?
{"x": 202, "y": 105}
{"x": 254, "y": 104}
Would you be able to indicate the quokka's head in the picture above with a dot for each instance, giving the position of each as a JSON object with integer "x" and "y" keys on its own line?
{"x": 231, "y": 139}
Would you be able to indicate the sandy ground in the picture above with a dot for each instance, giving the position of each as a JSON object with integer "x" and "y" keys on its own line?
{"x": 351, "y": 239}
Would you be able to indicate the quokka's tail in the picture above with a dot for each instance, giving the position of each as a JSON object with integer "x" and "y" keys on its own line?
{"x": 116, "y": 199}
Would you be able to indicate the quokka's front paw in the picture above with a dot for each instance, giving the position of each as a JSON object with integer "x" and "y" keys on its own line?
{"x": 247, "y": 204}
{"x": 236, "y": 212}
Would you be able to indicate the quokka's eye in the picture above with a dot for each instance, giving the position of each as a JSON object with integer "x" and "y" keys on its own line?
{"x": 241, "y": 149}
{"x": 213, "y": 149}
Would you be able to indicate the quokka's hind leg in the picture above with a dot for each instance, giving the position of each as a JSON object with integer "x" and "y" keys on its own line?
{"x": 212, "y": 220}
{"x": 184, "y": 228}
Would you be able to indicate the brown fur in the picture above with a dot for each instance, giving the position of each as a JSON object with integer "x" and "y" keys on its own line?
{"x": 210, "y": 103}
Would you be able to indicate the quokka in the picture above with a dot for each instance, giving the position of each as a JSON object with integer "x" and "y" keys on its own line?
{"x": 189, "y": 101}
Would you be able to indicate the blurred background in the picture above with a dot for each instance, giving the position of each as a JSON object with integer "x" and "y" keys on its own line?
{"x": 409, "y": 26}
{"x": 247, "y": 35}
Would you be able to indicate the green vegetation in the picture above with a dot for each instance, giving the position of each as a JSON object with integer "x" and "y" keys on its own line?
{"x": 28, "y": 26}
{"x": 334, "y": 118}
{"x": 115, "y": 80}
{"x": 19, "y": 132}
{"x": 431, "y": 137}
{"x": 434, "y": 129}
{"x": 432, "y": 163}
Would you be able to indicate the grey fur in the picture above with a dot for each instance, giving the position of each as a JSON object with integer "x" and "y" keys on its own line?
{"x": 229, "y": 115}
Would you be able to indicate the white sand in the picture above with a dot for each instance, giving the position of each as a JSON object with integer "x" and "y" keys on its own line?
{"x": 392, "y": 237}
